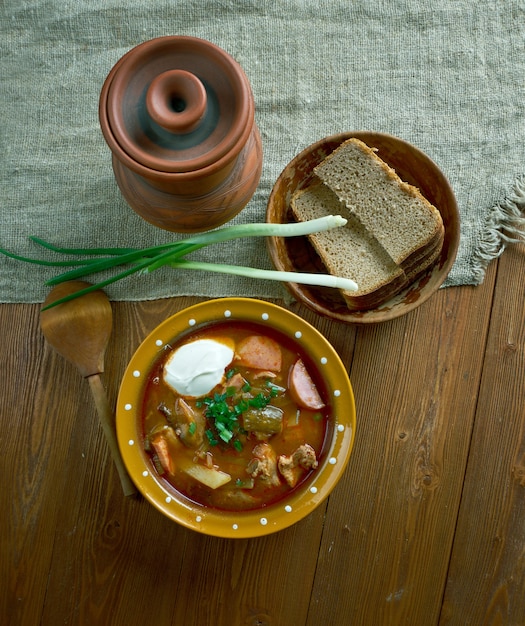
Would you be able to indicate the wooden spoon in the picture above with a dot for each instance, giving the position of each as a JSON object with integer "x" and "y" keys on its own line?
{"x": 79, "y": 330}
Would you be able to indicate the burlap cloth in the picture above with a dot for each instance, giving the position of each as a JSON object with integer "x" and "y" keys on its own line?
{"x": 448, "y": 76}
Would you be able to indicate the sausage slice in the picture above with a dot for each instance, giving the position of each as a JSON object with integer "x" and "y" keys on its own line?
{"x": 302, "y": 387}
{"x": 259, "y": 352}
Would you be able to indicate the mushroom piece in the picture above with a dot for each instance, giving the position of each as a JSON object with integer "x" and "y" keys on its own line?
{"x": 189, "y": 424}
{"x": 291, "y": 466}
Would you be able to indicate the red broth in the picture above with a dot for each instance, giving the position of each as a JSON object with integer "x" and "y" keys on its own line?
{"x": 236, "y": 458}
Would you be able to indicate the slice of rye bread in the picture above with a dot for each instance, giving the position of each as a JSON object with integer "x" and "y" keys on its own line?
{"x": 349, "y": 251}
{"x": 433, "y": 248}
{"x": 398, "y": 215}
{"x": 422, "y": 261}
{"x": 418, "y": 267}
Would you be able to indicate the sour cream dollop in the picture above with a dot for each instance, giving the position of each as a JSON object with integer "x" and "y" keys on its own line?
{"x": 195, "y": 368}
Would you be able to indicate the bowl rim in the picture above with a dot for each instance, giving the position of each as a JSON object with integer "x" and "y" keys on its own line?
{"x": 436, "y": 274}
{"x": 277, "y": 516}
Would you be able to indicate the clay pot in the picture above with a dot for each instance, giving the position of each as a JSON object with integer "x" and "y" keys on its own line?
{"x": 178, "y": 116}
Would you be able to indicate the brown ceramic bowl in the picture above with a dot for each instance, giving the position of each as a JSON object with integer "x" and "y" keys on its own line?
{"x": 296, "y": 254}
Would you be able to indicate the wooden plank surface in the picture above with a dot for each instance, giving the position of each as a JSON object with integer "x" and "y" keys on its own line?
{"x": 486, "y": 582}
{"x": 426, "y": 524}
{"x": 386, "y": 544}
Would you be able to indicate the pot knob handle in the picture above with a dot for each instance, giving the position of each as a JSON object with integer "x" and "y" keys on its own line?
{"x": 176, "y": 100}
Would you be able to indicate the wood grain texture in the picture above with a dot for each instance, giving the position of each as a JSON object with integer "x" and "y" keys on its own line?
{"x": 386, "y": 542}
{"x": 426, "y": 526}
{"x": 486, "y": 582}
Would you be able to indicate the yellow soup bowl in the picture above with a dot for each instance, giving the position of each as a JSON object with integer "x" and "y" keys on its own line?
{"x": 299, "y": 502}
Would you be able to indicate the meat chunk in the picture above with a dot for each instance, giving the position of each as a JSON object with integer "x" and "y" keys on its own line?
{"x": 236, "y": 382}
{"x": 160, "y": 445}
{"x": 260, "y": 353}
{"x": 302, "y": 387}
{"x": 264, "y": 464}
{"x": 264, "y": 374}
{"x": 291, "y": 467}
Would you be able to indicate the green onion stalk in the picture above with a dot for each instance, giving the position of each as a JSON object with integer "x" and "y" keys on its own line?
{"x": 89, "y": 261}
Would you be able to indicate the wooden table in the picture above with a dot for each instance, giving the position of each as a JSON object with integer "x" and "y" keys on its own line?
{"x": 426, "y": 527}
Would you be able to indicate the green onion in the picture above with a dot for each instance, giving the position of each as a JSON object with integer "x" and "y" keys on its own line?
{"x": 229, "y": 374}
{"x": 147, "y": 260}
{"x": 322, "y": 280}
{"x": 88, "y": 251}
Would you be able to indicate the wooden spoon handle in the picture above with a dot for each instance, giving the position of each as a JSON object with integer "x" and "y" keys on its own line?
{"x": 107, "y": 422}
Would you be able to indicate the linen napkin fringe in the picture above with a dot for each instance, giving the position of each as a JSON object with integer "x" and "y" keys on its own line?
{"x": 505, "y": 224}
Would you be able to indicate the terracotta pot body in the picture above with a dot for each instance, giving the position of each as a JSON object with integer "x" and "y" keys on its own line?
{"x": 179, "y": 117}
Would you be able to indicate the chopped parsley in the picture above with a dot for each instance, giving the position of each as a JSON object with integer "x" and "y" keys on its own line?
{"x": 229, "y": 374}
{"x": 223, "y": 410}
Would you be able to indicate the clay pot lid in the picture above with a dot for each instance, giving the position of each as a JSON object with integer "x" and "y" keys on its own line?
{"x": 176, "y": 104}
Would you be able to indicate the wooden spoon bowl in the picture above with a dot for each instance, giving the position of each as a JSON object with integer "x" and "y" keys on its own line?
{"x": 79, "y": 330}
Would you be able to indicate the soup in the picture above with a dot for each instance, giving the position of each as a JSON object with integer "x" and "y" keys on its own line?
{"x": 234, "y": 416}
